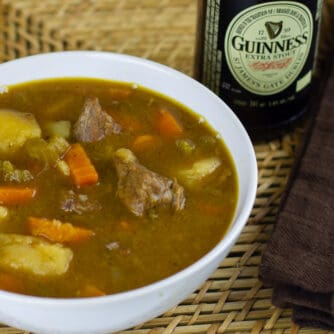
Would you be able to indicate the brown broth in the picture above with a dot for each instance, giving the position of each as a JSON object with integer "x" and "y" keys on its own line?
{"x": 152, "y": 248}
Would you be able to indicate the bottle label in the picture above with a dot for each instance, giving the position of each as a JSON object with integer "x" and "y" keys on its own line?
{"x": 267, "y": 45}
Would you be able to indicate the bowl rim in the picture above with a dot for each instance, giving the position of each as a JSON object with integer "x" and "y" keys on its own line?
{"x": 226, "y": 242}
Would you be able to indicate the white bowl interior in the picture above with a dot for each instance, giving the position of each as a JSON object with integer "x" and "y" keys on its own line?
{"x": 183, "y": 89}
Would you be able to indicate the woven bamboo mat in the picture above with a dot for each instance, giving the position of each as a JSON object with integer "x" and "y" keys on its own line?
{"x": 232, "y": 300}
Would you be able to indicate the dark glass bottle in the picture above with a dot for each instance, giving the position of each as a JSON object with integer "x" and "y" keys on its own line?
{"x": 258, "y": 56}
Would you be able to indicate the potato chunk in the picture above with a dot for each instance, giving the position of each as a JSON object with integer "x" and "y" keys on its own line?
{"x": 58, "y": 128}
{"x": 15, "y": 129}
{"x": 201, "y": 169}
{"x": 33, "y": 255}
{"x": 4, "y": 213}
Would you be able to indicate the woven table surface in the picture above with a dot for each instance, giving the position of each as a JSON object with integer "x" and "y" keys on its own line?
{"x": 232, "y": 300}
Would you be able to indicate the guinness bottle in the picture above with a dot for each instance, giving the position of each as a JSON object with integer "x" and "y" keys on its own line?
{"x": 258, "y": 56}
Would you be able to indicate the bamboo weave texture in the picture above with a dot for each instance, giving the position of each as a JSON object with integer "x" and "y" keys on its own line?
{"x": 232, "y": 300}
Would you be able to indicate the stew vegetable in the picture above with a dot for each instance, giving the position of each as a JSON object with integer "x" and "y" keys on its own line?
{"x": 105, "y": 187}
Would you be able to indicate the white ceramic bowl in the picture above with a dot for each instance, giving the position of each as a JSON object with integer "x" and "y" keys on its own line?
{"x": 124, "y": 310}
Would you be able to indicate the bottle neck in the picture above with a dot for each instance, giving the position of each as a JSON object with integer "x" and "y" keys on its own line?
{"x": 200, "y": 29}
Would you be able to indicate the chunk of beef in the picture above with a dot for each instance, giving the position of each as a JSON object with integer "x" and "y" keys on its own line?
{"x": 142, "y": 190}
{"x": 94, "y": 123}
{"x": 78, "y": 203}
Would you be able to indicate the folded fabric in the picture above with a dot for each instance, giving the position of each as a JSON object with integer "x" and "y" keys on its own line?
{"x": 299, "y": 258}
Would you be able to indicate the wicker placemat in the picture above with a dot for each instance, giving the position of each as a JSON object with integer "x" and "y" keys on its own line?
{"x": 160, "y": 30}
{"x": 232, "y": 300}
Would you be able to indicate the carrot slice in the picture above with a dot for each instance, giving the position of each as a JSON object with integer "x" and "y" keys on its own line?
{"x": 16, "y": 195}
{"x": 82, "y": 170}
{"x": 90, "y": 290}
{"x": 120, "y": 93}
{"x": 56, "y": 231}
{"x": 145, "y": 142}
{"x": 10, "y": 283}
{"x": 211, "y": 209}
{"x": 168, "y": 125}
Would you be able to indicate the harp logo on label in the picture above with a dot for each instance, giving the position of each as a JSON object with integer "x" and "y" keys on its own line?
{"x": 266, "y": 46}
